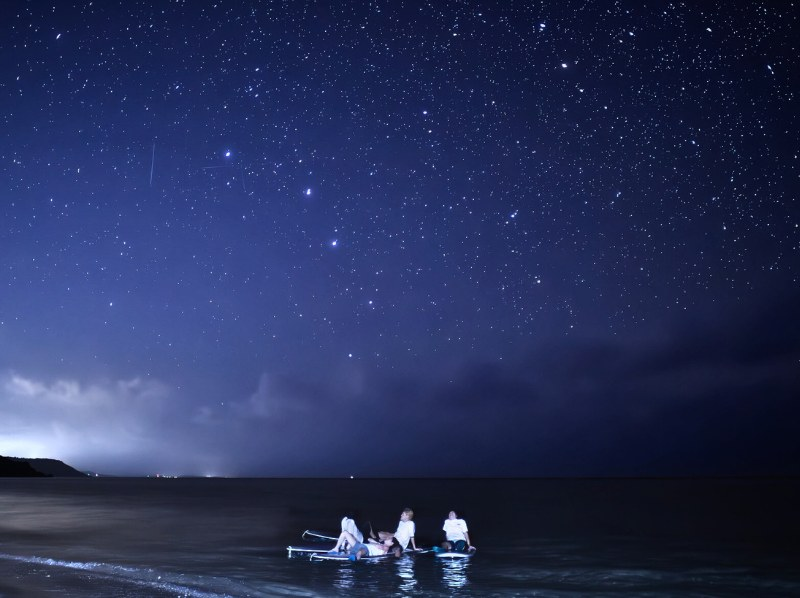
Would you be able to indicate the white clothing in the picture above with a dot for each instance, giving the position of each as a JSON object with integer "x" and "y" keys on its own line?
{"x": 374, "y": 549}
{"x": 405, "y": 531}
{"x": 348, "y": 525}
{"x": 455, "y": 530}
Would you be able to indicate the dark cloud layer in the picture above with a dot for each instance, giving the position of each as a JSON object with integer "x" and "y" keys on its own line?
{"x": 700, "y": 402}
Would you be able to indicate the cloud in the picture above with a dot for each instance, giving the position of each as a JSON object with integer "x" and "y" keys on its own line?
{"x": 141, "y": 426}
{"x": 274, "y": 398}
{"x": 711, "y": 397}
{"x": 696, "y": 399}
{"x": 65, "y": 419}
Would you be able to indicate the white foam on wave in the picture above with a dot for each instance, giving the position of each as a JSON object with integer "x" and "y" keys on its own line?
{"x": 148, "y": 578}
{"x": 151, "y": 580}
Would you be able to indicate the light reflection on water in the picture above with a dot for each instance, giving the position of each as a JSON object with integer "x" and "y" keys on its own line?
{"x": 345, "y": 578}
{"x": 454, "y": 573}
{"x": 405, "y": 571}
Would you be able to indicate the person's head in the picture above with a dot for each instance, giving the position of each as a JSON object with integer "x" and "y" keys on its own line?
{"x": 407, "y": 514}
{"x": 452, "y": 515}
{"x": 394, "y": 547}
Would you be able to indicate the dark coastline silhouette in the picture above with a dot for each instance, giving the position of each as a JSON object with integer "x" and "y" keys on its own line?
{"x": 36, "y": 468}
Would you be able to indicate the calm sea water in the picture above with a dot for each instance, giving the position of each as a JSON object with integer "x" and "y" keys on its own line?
{"x": 228, "y": 537}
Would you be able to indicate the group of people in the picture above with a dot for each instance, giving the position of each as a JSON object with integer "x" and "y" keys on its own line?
{"x": 352, "y": 541}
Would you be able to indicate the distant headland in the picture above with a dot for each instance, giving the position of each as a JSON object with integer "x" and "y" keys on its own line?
{"x": 16, "y": 467}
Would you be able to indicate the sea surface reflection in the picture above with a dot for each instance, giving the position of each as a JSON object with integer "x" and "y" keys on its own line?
{"x": 345, "y": 578}
{"x": 405, "y": 571}
{"x": 454, "y": 572}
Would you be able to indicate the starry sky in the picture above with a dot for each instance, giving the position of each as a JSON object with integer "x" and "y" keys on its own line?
{"x": 393, "y": 238}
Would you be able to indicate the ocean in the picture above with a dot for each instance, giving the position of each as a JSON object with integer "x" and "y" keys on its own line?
{"x": 152, "y": 537}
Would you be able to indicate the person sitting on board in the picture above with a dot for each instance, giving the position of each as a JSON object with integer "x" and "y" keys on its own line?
{"x": 405, "y": 531}
{"x": 359, "y": 550}
{"x": 456, "y": 534}
{"x": 349, "y": 525}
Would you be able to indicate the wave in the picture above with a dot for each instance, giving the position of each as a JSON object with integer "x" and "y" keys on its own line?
{"x": 102, "y": 579}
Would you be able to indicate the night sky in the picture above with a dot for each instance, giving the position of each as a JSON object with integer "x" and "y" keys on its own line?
{"x": 401, "y": 238}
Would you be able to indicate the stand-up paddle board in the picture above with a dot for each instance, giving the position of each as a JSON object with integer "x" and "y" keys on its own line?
{"x": 344, "y": 557}
{"x": 450, "y": 554}
{"x": 305, "y": 550}
{"x": 314, "y": 536}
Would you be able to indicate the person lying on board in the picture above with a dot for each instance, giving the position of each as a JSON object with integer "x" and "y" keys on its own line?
{"x": 456, "y": 534}
{"x": 405, "y": 531}
{"x": 358, "y": 550}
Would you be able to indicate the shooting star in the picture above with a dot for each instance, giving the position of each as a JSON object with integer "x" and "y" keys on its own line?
{"x": 152, "y": 164}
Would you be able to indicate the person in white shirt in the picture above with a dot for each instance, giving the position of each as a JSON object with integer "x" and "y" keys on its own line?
{"x": 456, "y": 534}
{"x": 405, "y": 531}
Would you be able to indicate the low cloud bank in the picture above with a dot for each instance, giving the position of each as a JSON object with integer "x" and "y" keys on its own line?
{"x": 700, "y": 399}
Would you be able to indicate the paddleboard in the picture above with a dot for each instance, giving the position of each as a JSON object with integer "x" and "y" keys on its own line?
{"x": 310, "y": 534}
{"x": 344, "y": 557}
{"x": 455, "y": 555}
{"x": 305, "y": 549}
